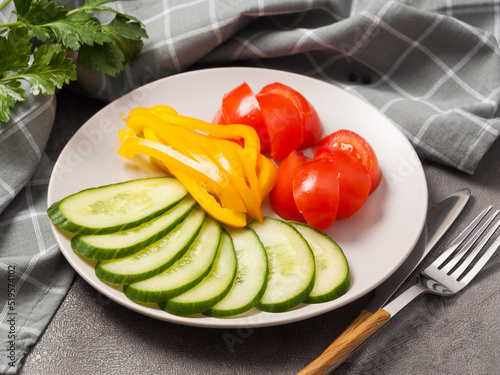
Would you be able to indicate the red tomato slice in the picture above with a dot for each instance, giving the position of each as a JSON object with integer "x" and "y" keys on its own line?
{"x": 311, "y": 124}
{"x": 239, "y": 106}
{"x": 220, "y": 118}
{"x": 283, "y": 123}
{"x": 316, "y": 192}
{"x": 354, "y": 180}
{"x": 352, "y": 142}
{"x": 281, "y": 196}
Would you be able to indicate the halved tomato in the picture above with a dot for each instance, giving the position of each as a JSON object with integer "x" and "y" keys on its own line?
{"x": 220, "y": 118}
{"x": 283, "y": 122}
{"x": 311, "y": 124}
{"x": 351, "y": 142}
{"x": 239, "y": 106}
{"x": 316, "y": 191}
{"x": 353, "y": 177}
{"x": 281, "y": 196}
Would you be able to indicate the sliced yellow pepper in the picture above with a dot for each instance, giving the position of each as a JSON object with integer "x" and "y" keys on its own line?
{"x": 125, "y": 133}
{"x": 226, "y": 197}
{"x": 231, "y": 132}
{"x": 220, "y": 165}
{"x": 150, "y": 134}
{"x": 267, "y": 174}
{"x": 192, "y": 145}
{"x": 248, "y": 153}
{"x": 192, "y": 178}
{"x": 200, "y": 146}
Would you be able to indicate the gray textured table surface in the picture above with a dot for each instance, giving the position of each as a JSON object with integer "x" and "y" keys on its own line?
{"x": 90, "y": 334}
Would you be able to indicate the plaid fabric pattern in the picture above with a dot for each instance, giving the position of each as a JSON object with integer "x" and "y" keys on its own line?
{"x": 431, "y": 66}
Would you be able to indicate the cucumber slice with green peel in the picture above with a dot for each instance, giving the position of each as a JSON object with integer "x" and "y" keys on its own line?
{"x": 291, "y": 265}
{"x": 333, "y": 278}
{"x": 128, "y": 242}
{"x": 212, "y": 288}
{"x": 155, "y": 258}
{"x": 251, "y": 275}
{"x": 184, "y": 274}
{"x": 116, "y": 207}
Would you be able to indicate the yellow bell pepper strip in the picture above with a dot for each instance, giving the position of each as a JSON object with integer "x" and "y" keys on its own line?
{"x": 267, "y": 174}
{"x": 238, "y": 172}
{"x": 249, "y": 168}
{"x": 228, "y": 162}
{"x": 134, "y": 145}
{"x": 231, "y": 133}
{"x": 125, "y": 133}
{"x": 188, "y": 174}
{"x": 209, "y": 203}
{"x": 150, "y": 134}
{"x": 226, "y": 198}
{"x": 190, "y": 143}
{"x": 199, "y": 146}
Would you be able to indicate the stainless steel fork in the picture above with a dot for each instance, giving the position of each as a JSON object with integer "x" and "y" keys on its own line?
{"x": 446, "y": 276}
{"x": 453, "y": 269}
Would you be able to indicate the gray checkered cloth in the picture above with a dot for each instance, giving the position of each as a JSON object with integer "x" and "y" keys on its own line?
{"x": 431, "y": 66}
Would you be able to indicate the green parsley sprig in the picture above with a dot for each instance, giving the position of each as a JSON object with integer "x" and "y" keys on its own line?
{"x": 34, "y": 47}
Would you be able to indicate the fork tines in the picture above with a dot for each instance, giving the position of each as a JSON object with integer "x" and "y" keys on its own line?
{"x": 453, "y": 266}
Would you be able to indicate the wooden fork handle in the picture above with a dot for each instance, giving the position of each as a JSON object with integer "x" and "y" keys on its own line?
{"x": 361, "y": 329}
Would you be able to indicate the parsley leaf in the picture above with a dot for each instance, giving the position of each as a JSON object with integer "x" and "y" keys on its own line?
{"x": 10, "y": 93}
{"x": 111, "y": 57}
{"x": 50, "y": 67}
{"x": 34, "y": 47}
{"x": 16, "y": 50}
{"x": 15, "y": 55}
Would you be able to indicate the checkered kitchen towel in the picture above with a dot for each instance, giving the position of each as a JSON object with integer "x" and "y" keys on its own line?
{"x": 432, "y": 66}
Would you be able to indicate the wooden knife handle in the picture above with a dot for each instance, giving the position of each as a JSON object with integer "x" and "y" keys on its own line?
{"x": 362, "y": 316}
{"x": 362, "y": 328}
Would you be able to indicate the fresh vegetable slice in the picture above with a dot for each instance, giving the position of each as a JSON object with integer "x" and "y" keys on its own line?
{"x": 222, "y": 159}
{"x": 221, "y": 118}
{"x": 358, "y": 147}
{"x": 187, "y": 272}
{"x": 235, "y": 132}
{"x": 202, "y": 148}
{"x": 311, "y": 124}
{"x": 267, "y": 175}
{"x": 251, "y": 275}
{"x": 194, "y": 179}
{"x": 116, "y": 207}
{"x": 156, "y": 257}
{"x": 283, "y": 122}
{"x": 213, "y": 288}
{"x": 239, "y": 106}
{"x": 237, "y": 143}
{"x": 333, "y": 277}
{"x": 281, "y": 195}
{"x": 354, "y": 181}
{"x": 130, "y": 241}
{"x": 291, "y": 265}
{"x": 316, "y": 192}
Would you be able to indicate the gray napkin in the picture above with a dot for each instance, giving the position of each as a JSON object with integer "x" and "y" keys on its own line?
{"x": 430, "y": 66}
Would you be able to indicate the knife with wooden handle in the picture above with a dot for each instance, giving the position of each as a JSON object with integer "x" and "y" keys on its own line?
{"x": 439, "y": 219}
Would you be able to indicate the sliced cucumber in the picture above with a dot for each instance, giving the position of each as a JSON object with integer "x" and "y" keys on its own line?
{"x": 185, "y": 273}
{"x": 212, "y": 288}
{"x": 251, "y": 275}
{"x": 127, "y": 242}
{"x": 332, "y": 270}
{"x": 116, "y": 207}
{"x": 291, "y": 265}
{"x": 155, "y": 258}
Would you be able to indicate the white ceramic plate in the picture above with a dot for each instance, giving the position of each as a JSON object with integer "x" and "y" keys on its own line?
{"x": 376, "y": 240}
